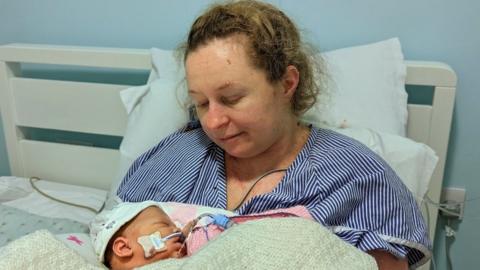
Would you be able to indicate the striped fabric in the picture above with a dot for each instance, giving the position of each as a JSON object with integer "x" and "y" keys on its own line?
{"x": 343, "y": 184}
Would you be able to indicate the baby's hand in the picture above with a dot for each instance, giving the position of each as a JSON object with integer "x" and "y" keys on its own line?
{"x": 182, "y": 252}
{"x": 187, "y": 229}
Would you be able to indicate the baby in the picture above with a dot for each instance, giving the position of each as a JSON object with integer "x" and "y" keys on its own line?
{"x": 134, "y": 234}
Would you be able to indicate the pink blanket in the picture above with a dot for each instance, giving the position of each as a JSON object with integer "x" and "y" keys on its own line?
{"x": 201, "y": 234}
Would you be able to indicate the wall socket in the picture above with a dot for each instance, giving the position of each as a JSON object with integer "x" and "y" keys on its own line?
{"x": 453, "y": 199}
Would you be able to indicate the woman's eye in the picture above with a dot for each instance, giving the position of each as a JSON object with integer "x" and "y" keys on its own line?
{"x": 231, "y": 100}
{"x": 201, "y": 104}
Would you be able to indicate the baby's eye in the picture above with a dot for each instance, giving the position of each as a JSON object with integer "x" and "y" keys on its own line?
{"x": 162, "y": 223}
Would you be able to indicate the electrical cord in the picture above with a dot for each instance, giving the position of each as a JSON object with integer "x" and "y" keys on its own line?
{"x": 33, "y": 179}
{"x": 441, "y": 206}
{"x": 254, "y": 184}
{"x": 449, "y": 237}
{"x": 449, "y": 231}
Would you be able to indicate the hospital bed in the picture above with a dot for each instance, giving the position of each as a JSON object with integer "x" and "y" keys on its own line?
{"x": 63, "y": 103}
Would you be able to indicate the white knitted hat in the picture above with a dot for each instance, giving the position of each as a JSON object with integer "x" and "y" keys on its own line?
{"x": 108, "y": 222}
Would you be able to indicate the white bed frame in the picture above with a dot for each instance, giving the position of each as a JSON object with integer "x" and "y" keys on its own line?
{"x": 96, "y": 108}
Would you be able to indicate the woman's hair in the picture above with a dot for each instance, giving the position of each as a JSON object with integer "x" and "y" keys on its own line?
{"x": 274, "y": 43}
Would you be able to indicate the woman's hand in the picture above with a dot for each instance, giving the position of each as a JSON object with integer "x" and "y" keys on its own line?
{"x": 386, "y": 261}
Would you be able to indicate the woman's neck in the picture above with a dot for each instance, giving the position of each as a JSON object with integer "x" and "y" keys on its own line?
{"x": 278, "y": 156}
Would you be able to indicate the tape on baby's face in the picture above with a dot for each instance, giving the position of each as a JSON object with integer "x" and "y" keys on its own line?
{"x": 154, "y": 243}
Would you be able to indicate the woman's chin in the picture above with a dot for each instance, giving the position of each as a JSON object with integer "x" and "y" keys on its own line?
{"x": 239, "y": 148}
{"x": 237, "y": 152}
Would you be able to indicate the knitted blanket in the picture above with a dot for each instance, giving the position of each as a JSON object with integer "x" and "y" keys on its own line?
{"x": 41, "y": 250}
{"x": 286, "y": 243}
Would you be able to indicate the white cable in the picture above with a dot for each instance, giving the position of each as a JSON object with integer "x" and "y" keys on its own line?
{"x": 449, "y": 234}
{"x": 449, "y": 231}
{"x": 33, "y": 179}
{"x": 441, "y": 206}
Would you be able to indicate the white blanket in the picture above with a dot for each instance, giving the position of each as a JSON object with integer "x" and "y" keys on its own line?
{"x": 287, "y": 243}
{"x": 41, "y": 250}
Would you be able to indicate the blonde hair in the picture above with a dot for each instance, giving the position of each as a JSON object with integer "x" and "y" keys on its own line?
{"x": 274, "y": 41}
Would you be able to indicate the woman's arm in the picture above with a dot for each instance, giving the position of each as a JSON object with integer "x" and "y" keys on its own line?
{"x": 386, "y": 260}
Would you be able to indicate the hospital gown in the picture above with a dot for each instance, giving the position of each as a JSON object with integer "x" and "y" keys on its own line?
{"x": 345, "y": 186}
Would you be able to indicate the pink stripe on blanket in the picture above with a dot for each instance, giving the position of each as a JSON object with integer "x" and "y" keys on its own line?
{"x": 201, "y": 235}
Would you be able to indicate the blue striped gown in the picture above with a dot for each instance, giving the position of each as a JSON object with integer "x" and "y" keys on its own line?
{"x": 345, "y": 186}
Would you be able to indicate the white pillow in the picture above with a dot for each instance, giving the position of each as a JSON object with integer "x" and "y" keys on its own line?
{"x": 412, "y": 161}
{"x": 368, "y": 89}
{"x": 165, "y": 65}
{"x": 154, "y": 110}
{"x": 151, "y": 118}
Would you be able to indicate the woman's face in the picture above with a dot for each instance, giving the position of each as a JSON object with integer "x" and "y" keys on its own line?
{"x": 239, "y": 109}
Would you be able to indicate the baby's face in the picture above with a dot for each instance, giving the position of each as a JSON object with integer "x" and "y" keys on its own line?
{"x": 149, "y": 221}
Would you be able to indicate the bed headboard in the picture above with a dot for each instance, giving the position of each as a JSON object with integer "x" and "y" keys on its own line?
{"x": 93, "y": 108}
{"x": 96, "y": 108}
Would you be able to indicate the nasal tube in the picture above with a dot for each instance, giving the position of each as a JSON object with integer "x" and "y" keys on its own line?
{"x": 154, "y": 242}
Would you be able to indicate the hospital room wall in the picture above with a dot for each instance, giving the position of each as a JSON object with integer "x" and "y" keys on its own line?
{"x": 440, "y": 30}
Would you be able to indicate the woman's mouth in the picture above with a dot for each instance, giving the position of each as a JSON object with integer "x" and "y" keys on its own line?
{"x": 230, "y": 137}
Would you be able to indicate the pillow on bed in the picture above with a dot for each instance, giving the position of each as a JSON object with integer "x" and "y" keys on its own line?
{"x": 154, "y": 110}
{"x": 152, "y": 116}
{"x": 165, "y": 65}
{"x": 412, "y": 161}
{"x": 367, "y": 89}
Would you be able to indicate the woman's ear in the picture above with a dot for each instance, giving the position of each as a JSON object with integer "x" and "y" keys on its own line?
{"x": 121, "y": 247}
{"x": 290, "y": 81}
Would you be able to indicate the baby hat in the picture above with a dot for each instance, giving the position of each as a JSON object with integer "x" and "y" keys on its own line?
{"x": 108, "y": 222}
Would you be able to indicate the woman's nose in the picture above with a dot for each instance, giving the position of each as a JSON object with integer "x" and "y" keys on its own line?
{"x": 215, "y": 117}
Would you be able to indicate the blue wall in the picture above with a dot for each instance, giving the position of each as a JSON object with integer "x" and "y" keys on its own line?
{"x": 441, "y": 30}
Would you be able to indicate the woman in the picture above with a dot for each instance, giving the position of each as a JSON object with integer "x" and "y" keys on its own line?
{"x": 250, "y": 79}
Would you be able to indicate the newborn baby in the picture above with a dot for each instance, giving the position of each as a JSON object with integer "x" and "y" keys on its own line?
{"x": 134, "y": 234}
